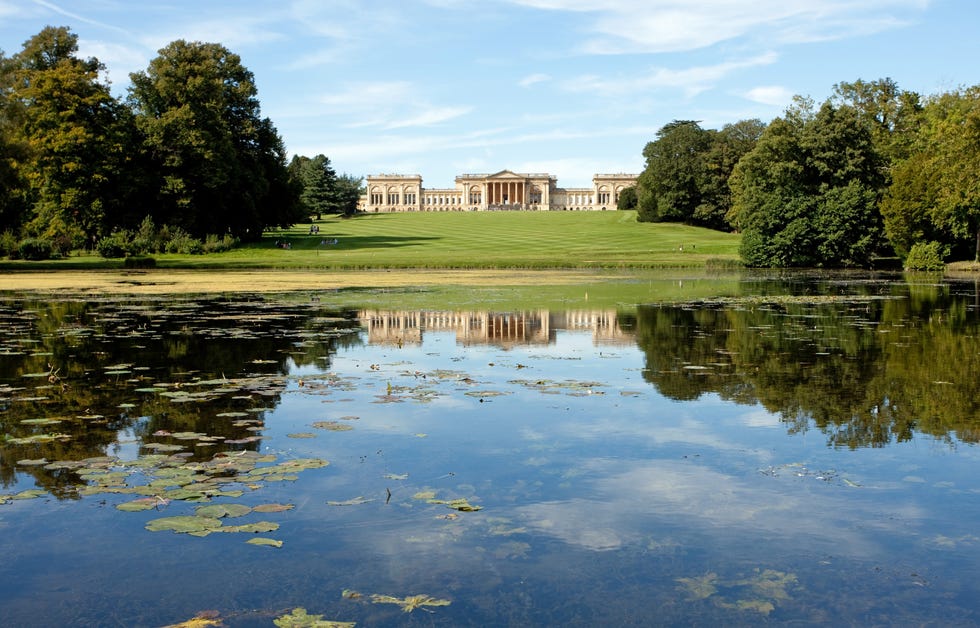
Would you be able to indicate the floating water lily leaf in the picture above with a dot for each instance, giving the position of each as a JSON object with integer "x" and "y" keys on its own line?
{"x": 197, "y": 526}
{"x": 424, "y": 495}
{"x": 410, "y": 603}
{"x": 201, "y": 620}
{"x": 218, "y": 511}
{"x": 357, "y": 501}
{"x": 395, "y": 476}
{"x": 265, "y": 508}
{"x": 253, "y": 528}
{"x": 143, "y": 503}
{"x": 35, "y": 462}
{"x": 38, "y": 438}
{"x": 461, "y": 505}
{"x": 301, "y": 435}
{"x": 40, "y": 421}
{"x": 333, "y": 426}
{"x": 33, "y": 493}
{"x": 259, "y": 540}
{"x": 300, "y": 619}
{"x": 701, "y": 587}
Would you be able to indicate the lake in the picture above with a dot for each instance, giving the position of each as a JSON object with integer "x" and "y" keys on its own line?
{"x": 775, "y": 449}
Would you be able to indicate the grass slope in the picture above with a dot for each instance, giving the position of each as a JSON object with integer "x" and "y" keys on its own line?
{"x": 466, "y": 240}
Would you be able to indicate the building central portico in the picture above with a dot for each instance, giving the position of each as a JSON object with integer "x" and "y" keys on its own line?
{"x": 504, "y": 190}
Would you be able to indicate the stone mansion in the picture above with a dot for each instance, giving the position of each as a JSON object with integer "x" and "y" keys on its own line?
{"x": 504, "y": 190}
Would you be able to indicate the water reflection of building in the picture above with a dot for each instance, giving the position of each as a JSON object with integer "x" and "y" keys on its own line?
{"x": 506, "y": 329}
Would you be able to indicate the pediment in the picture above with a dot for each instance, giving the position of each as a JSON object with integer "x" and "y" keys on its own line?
{"x": 506, "y": 174}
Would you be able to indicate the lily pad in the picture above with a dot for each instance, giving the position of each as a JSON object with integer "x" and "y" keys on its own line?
{"x": 33, "y": 462}
{"x": 143, "y": 503}
{"x": 357, "y": 501}
{"x": 259, "y": 540}
{"x": 219, "y": 511}
{"x": 265, "y": 508}
{"x": 299, "y": 618}
{"x": 410, "y": 603}
{"x": 333, "y": 426}
{"x": 196, "y": 526}
{"x": 461, "y": 505}
{"x": 254, "y": 528}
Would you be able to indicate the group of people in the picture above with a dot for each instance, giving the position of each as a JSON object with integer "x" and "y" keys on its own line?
{"x": 314, "y": 229}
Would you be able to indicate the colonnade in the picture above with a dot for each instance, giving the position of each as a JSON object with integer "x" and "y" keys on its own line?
{"x": 506, "y": 192}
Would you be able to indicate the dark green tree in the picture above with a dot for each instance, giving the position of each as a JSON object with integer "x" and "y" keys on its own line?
{"x": 952, "y": 144}
{"x": 74, "y": 137}
{"x": 669, "y": 188}
{"x": 349, "y": 190}
{"x": 890, "y": 114}
{"x": 726, "y": 149}
{"x": 221, "y": 167}
{"x": 317, "y": 181}
{"x": 13, "y": 153}
{"x": 627, "y": 199}
{"x": 806, "y": 195}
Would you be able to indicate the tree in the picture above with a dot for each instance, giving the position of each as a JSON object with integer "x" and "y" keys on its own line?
{"x": 953, "y": 145}
{"x": 13, "y": 153}
{"x": 687, "y": 172}
{"x": 317, "y": 181}
{"x": 669, "y": 188}
{"x": 726, "y": 149}
{"x": 890, "y": 114}
{"x": 627, "y": 198}
{"x": 806, "y": 194}
{"x": 349, "y": 192}
{"x": 73, "y": 135}
{"x": 222, "y": 167}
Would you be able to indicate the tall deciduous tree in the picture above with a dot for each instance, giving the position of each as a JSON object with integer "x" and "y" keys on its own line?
{"x": 13, "y": 186}
{"x": 891, "y": 114}
{"x": 953, "y": 142}
{"x": 806, "y": 194}
{"x": 222, "y": 167}
{"x": 349, "y": 191}
{"x": 687, "y": 172}
{"x": 727, "y": 147}
{"x": 669, "y": 188}
{"x": 73, "y": 133}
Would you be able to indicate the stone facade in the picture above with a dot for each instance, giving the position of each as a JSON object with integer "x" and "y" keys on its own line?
{"x": 504, "y": 190}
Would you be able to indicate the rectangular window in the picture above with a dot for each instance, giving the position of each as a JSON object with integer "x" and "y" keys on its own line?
{"x": 392, "y": 199}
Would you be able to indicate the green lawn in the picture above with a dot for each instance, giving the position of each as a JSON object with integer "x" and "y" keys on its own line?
{"x": 610, "y": 239}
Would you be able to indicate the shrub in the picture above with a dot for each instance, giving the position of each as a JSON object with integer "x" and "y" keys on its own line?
{"x": 181, "y": 242}
{"x": 139, "y": 261}
{"x": 8, "y": 244}
{"x": 145, "y": 240}
{"x": 115, "y": 245}
{"x": 926, "y": 256}
{"x": 34, "y": 249}
{"x": 214, "y": 244}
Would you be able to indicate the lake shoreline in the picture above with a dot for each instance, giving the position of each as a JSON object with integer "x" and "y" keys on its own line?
{"x": 216, "y": 281}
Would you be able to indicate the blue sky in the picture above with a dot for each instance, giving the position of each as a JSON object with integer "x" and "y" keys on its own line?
{"x": 568, "y": 87}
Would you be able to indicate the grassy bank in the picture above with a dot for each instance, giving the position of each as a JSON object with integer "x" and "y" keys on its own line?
{"x": 527, "y": 240}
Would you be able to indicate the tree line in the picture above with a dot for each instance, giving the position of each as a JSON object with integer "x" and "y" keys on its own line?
{"x": 186, "y": 149}
{"x": 873, "y": 172}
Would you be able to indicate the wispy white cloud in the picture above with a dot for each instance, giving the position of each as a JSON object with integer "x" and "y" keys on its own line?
{"x": 691, "y": 80}
{"x": 533, "y": 79}
{"x": 654, "y": 26}
{"x": 388, "y": 105}
{"x": 55, "y": 8}
{"x": 769, "y": 95}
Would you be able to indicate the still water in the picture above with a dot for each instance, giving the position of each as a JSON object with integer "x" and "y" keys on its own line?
{"x": 802, "y": 452}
